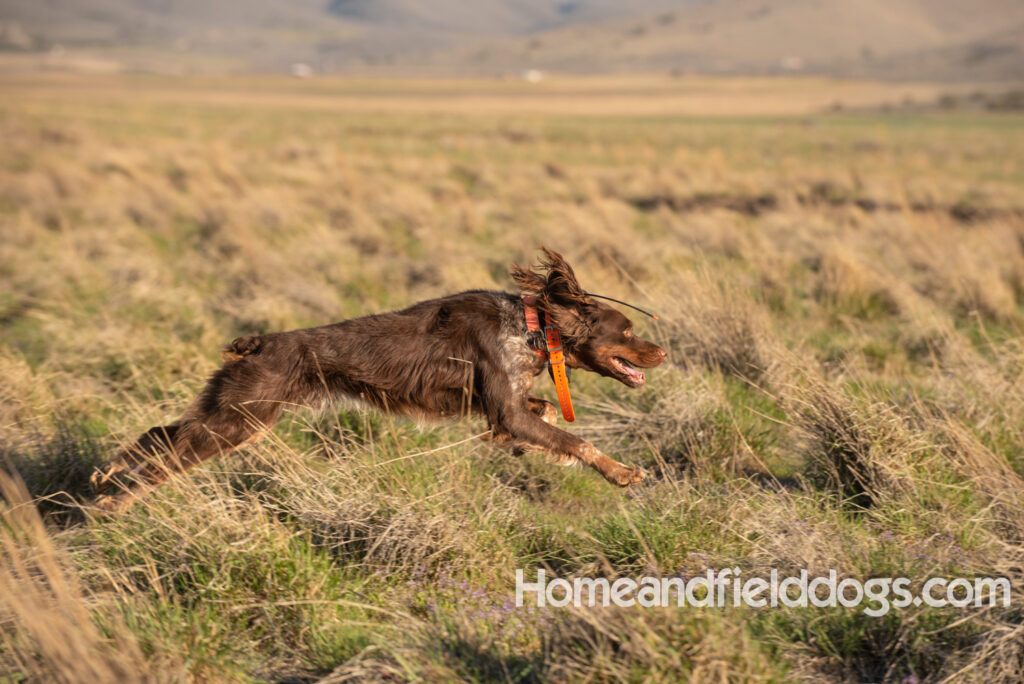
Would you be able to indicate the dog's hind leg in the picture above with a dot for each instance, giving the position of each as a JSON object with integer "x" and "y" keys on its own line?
{"x": 153, "y": 443}
{"x": 235, "y": 408}
{"x": 154, "y": 458}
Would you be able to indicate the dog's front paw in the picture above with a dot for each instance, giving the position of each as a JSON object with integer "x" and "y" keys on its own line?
{"x": 626, "y": 476}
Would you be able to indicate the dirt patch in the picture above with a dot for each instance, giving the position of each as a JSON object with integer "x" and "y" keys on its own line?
{"x": 750, "y": 205}
{"x": 819, "y": 195}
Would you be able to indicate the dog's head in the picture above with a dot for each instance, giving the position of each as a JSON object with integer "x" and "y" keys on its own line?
{"x": 595, "y": 337}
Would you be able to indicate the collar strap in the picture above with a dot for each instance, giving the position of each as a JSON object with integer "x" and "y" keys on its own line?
{"x": 534, "y": 334}
{"x": 530, "y": 308}
{"x": 556, "y": 364}
{"x": 556, "y": 357}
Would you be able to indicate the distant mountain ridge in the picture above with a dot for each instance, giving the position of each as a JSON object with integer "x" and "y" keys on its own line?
{"x": 905, "y": 39}
{"x": 490, "y": 18}
{"x": 934, "y": 39}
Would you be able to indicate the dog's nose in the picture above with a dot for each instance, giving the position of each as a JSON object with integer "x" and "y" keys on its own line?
{"x": 662, "y": 354}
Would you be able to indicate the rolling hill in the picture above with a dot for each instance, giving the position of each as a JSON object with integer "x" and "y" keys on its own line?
{"x": 905, "y": 39}
{"x": 875, "y": 38}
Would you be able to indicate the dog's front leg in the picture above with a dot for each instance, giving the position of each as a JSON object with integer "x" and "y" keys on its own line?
{"x": 543, "y": 408}
{"x": 527, "y": 430}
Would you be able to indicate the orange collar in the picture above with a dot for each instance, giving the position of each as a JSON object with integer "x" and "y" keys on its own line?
{"x": 556, "y": 358}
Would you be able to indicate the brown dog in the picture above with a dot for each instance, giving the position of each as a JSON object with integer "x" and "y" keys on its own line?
{"x": 411, "y": 362}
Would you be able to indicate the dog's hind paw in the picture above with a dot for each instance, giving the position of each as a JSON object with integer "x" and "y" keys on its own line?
{"x": 103, "y": 477}
{"x": 115, "y": 504}
{"x": 109, "y": 504}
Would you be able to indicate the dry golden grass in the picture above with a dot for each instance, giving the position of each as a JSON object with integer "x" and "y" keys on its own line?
{"x": 622, "y": 95}
{"x": 51, "y": 630}
{"x": 841, "y": 297}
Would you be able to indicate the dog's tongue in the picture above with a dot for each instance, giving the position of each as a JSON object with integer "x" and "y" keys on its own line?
{"x": 629, "y": 370}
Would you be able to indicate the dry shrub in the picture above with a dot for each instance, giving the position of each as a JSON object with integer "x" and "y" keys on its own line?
{"x": 371, "y": 665}
{"x": 967, "y": 270}
{"x": 847, "y": 285}
{"x": 345, "y": 514}
{"x": 980, "y": 386}
{"x": 51, "y": 628}
{"x": 998, "y": 658}
{"x": 717, "y": 232}
{"x": 573, "y": 644}
{"x": 926, "y": 331}
{"x": 841, "y": 279}
{"x": 710, "y": 326}
{"x": 619, "y": 643}
{"x": 989, "y": 474}
{"x": 863, "y": 453}
{"x": 974, "y": 383}
{"x": 55, "y": 468}
{"x": 985, "y": 292}
{"x": 386, "y": 534}
{"x": 792, "y": 536}
{"x": 24, "y": 395}
{"x": 684, "y": 422}
{"x": 1014, "y": 275}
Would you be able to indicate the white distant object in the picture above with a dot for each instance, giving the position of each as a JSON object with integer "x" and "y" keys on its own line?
{"x": 792, "y": 63}
{"x": 533, "y": 75}
{"x": 300, "y": 70}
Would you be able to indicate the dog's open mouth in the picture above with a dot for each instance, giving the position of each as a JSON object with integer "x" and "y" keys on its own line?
{"x": 633, "y": 376}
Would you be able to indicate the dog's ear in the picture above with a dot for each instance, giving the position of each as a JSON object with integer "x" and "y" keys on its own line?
{"x": 572, "y": 323}
{"x": 560, "y": 294}
{"x": 561, "y": 285}
{"x": 564, "y": 298}
{"x": 529, "y": 281}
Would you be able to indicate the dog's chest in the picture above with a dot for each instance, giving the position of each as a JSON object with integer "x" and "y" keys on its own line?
{"x": 519, "y": 361}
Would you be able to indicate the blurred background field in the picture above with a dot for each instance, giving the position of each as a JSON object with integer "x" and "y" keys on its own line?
{"x": 934, "y": 40}
{"x": 839, "y": 269}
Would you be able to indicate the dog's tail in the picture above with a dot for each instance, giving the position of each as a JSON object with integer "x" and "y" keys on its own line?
{"x": 241, "y": 347}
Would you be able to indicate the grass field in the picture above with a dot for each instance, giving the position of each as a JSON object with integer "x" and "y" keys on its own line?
{"x": 841, "y": 295}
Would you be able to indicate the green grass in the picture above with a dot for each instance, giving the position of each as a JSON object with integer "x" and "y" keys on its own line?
{"x": 832, "y": 399}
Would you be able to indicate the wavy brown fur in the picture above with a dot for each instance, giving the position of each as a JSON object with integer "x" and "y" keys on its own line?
{"x": 411, "y": 362}
{"x": 559, "y": 294}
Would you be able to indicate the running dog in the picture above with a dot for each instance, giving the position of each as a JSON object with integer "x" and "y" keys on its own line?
{"x": 434, "y": 359}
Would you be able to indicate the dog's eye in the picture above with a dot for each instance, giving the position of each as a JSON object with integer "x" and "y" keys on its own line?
{"x": 627, "y": 333}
